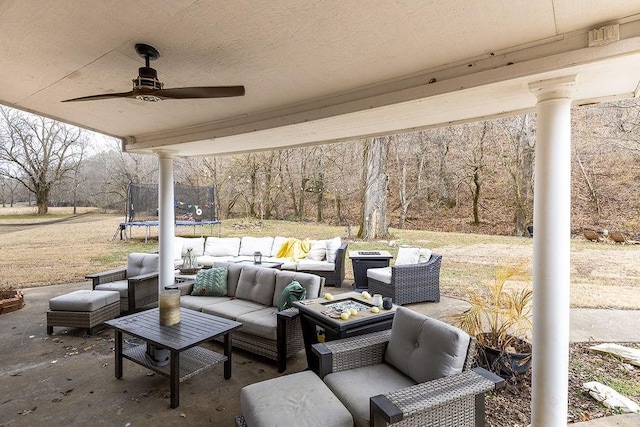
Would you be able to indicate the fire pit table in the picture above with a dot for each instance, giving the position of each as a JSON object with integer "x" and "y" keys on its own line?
{"x": 319, "y": 314}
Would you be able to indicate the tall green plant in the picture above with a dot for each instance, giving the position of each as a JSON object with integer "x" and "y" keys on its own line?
{"x": 499, "y": 318}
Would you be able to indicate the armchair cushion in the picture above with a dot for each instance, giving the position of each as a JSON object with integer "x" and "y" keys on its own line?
{"x": 425, "y": 255}
{"x": 382, "y": 274}
{"x": 407, "y": 255}
{"x": 140, "y": 263}
{"x": 354, "y": 387}
{"x": 424, "y": 348}
{"x": 121, "y": 286}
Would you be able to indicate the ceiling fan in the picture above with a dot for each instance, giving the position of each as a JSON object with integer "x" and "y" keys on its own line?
{"x": 147, "y": 87}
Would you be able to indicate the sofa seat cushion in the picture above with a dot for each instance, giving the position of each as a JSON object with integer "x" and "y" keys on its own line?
{"x": 382, "y": 274}
{"x": 424, "y": 348}
{"x": 354, "y": 387}
{"x": 222, "y": 246}
{"x": 196, "y": 303}
{"x": 287, "y": 263}
{"x": 257, "y": 284}
{"x": 232, "y": 309}
{"x": 299, "y": 397}
{"x": 84, "y": 300}
{"x": 209, "y": 261}
{"x": 262, "y": 323}
{"x": 309, "y": 265}
{"x": 121, "y": 286}
{"x": 249, "y": 245}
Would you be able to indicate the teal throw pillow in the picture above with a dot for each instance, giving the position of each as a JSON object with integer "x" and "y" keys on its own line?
{"x": 211, "y": 282}
{"x": 294, "y": 291}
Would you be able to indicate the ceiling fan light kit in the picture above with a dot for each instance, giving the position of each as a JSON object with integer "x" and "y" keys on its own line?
{"x": 147, "y": 87}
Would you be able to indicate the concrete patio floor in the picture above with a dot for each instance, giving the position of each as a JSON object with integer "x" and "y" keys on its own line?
{"x": 68, "y": 378}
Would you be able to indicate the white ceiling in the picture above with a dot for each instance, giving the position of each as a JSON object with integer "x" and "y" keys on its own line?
{"x": 314, "y": 71}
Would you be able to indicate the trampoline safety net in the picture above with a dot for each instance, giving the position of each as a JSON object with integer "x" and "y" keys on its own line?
{"x": 190, "y": 203}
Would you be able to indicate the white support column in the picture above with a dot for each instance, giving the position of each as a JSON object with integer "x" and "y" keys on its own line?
{"x": 166, "y": 218}
{"x": 551, "y": 252}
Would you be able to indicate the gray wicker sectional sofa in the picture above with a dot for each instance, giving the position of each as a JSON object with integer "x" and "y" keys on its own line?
{"x": 326, "y": 259}
{"x": 252, "y": 299}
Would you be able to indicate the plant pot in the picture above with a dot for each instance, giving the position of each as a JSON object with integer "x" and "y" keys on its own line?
{"x": 506, "y": 363}
{"x": 11, "y": 301}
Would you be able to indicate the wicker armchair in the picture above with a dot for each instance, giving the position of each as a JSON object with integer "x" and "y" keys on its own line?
{"x": 455, "y": 400}
{"x": 137, "y": 282}
{"x": 417, "y": 374}
{"x": 409, "y": 283}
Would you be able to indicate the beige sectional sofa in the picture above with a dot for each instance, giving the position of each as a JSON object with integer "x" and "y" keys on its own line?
{"x": 252, "y": 299}
{"x": 326, "y": 259}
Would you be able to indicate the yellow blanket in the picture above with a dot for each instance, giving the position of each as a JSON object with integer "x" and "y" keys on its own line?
{"x": 294, "y": 248}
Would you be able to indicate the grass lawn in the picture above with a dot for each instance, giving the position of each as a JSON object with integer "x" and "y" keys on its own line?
{"x": 41, "y": 252}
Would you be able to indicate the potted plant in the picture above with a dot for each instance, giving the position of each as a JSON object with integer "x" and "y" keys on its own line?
{"x": 500, "y": 319}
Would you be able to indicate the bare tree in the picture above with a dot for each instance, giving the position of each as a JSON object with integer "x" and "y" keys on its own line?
{"x": 518, "y": 161}
{"x": 373, "y": 221}
{"x": 38, "y": 152}
{"x": 410, "y": 154}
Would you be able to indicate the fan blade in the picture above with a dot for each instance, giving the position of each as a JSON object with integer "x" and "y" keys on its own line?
{"x": 199, "y": 92}
{"x": 131, "y": 94}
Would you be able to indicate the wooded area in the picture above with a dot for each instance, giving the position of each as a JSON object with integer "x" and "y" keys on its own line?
{"x": 467, "y": 178}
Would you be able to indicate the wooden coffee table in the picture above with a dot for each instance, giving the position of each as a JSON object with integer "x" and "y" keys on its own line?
{"x": 182, "y": 340}
{"x": 313, "y": 315}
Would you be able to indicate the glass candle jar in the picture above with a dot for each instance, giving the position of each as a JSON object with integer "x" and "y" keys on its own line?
{"x": 169, "y": 307}
{"x": 377, "y": 300}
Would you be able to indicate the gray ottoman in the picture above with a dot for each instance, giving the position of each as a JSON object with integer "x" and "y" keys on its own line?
{"x": 82, "y": 309}
{"x": 296, "y": 399}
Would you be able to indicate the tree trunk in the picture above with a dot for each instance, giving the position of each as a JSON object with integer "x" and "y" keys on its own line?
{"x": 373, "y": 220}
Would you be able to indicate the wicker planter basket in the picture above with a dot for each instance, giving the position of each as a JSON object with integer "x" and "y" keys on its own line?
{"x": 11, "y": 301}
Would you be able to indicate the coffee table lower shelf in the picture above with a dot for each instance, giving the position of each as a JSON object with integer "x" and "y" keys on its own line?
{"x": 192, "y": 361}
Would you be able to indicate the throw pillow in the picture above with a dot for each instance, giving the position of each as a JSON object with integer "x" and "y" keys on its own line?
{"x": 294, "y": 291}
{"x": 407, "y": 255}
{"x": 318, "y": 250}
{"x": 211, "y": 282}
{"x": 425, "y": 255}
{"x": 332, "y": 248}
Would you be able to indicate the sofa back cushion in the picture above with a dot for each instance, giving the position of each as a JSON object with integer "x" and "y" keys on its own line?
{"x": 425, "y": 349}
{"x": 278, "y": 241}
{"x": 222, "y": 246}
{"x": 196, "y": 243}
{"x": 233, "y": 275}
{"x": 249, "y": 245}
{"x": 311, "y": 282}
{"x": 257, "y": 284}
{"x": 141, "y": 263}
{"x": 177, "y": 247}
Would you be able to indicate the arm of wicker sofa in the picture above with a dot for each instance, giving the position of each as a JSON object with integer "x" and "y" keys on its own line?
{"x": 143, "y": 291}
{"x": 107, "y": 276}
{"x": 350, "y": 353}
{"x": 289, "y": 335}
{"x": 456, "y": 400}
